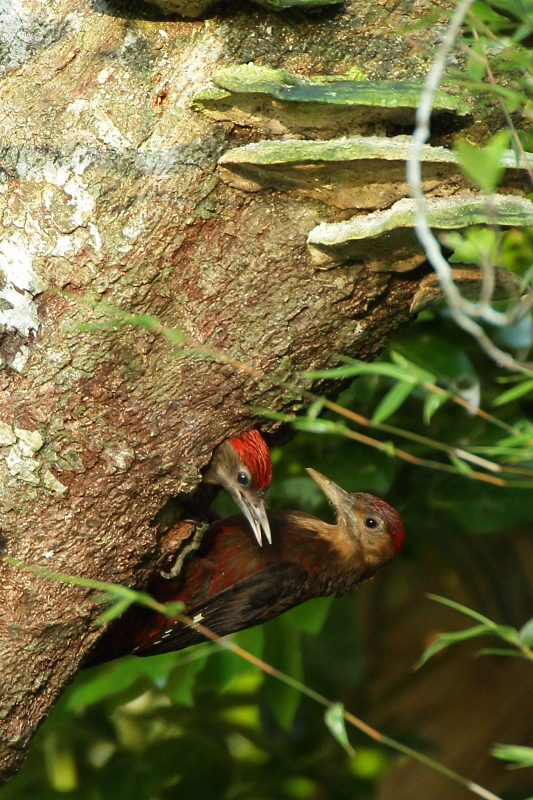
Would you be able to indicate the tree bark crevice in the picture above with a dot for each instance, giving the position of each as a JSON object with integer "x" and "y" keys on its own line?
{"x": 110, "y": 196}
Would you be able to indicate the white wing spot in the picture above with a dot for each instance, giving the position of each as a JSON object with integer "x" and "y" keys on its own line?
{"x": 198, "y": 618}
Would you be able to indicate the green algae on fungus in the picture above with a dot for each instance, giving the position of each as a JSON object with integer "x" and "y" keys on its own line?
{"x": 363, "y": 172}
{"x": 277, "y": 102}
{"x": 329, "y": 89}
{"x": 276, "y": 5}
{"x": 360, "y": 172}
{"x": 192, "y": 9}
{"x": 385, "y": 241}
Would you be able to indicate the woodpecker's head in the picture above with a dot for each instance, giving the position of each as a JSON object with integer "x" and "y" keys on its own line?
{"x": 364, "y": 523}
{"x": 242, "y": 465}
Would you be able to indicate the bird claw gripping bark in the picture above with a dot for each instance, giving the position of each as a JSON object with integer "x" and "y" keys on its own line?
{"x": 200, "y": 526}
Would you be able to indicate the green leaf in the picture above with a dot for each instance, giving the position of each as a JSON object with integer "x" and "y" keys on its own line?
{"x": 485, "y": 13}
{"x": 503, "y": 631}
{"x": 431, "y": 351}
{"x": 115, "y": 610}
{"x": 316, "y": 407}
{"x": 525, "y": 634}
{"x": 392, "y": 401}
{"x": 362, "y": 368}
{"x": 183, "y": 679}
{"x": 389, "y": 449}
{"x": 60, "y": 764}
{"x": 476, "y": 64}
{"x": 247, "y": 682}
{"x": 445, "y": 639}
{"x": 282, "y": 650}
{"x": 115, "y": 678}
{"x": 514, "y": 393}
{"x": 310, "y": 616}
{"x": 521, "y": 755}
{"x": 482, "y": 164}
{"x": 500, "y": 651}
{"x": 244, "y": 716}
{"x": 112, "y": 679}
{"x": 369, "y": 763}
{"x": 414, "y": 370}
{"x": 278, "y": 416}
{"x": 317, "y": 425}
{"x": 334, "y": 719}
{"x": 477, "y": 246}
{"x": 427, "y": 19}
{"x": 464, "y": 466}
{"x": 521, "y": 9}
{"x": 224, "y": 667}
{"x": 432, "y": 403}
{"x": 174, "y": 608}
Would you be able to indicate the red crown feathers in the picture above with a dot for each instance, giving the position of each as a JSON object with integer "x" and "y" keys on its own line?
{"x": 254, "y": 453}
{"x": 393, "y": 519}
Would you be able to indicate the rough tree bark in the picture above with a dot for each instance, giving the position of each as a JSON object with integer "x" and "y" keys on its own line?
{"x": 109, "y": 193}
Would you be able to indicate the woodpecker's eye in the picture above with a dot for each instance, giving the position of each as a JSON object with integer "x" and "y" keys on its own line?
{"x": 371, "y": 522}
{"x": 243, "y": 479}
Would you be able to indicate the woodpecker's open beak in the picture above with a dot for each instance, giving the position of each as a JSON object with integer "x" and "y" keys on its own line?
{"x": 342, "y": 502}
{"x": 253, "y": 508}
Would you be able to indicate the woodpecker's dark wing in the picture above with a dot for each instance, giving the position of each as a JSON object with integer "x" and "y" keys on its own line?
{"x": 262, "y": 596}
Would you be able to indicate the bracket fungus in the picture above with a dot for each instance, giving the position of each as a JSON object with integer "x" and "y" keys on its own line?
{"x": 278, "y": 103}
{"x": 317, "y": 159}
{"x": 192, "y": 9}
{"x": 385, "y": 241}
{"x": 364, "y": 172}
{"x": 277, "y": 5}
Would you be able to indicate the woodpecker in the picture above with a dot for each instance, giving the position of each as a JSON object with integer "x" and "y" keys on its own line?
{"x": 243, "y": 467}
{"x": 229, "y": 584}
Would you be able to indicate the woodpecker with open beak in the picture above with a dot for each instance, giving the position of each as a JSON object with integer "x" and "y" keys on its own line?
{"x": 229, "y": 584}
{"x": 243, "y": 467}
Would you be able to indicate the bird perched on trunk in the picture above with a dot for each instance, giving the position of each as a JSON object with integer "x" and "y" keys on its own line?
{"x": 243, "y": 467}
{"x": 229, "y": 584}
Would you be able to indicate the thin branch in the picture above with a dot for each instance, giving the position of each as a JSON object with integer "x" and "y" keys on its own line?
{"x": 196, "y": 348}
{"x": 462, "y": 310}
{"x": 416, "y": 437}
{"x": 386, "y": 447}
{"x": 227, "y": 644}
{"x": 485, "y": 61}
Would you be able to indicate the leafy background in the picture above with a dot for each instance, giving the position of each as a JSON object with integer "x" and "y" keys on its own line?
{"x": 203, "y": 723}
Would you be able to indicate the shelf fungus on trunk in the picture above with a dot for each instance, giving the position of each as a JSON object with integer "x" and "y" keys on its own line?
{"x": 385, "y": 241}
{"x": 362, "y": 172}
{"x": 277, "y": 102}
{"x": 192, "y": 9}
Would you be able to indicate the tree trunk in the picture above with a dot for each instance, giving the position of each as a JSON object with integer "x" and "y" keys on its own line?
{"x": 110, "y": 194}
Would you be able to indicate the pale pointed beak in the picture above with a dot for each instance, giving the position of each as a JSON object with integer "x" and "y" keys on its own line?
{"x": 254, "y": 511}
{"x": 339, "y": 499}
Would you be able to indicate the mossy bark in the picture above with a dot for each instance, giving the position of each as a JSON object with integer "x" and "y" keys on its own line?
{"x": 110, "y": 194}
